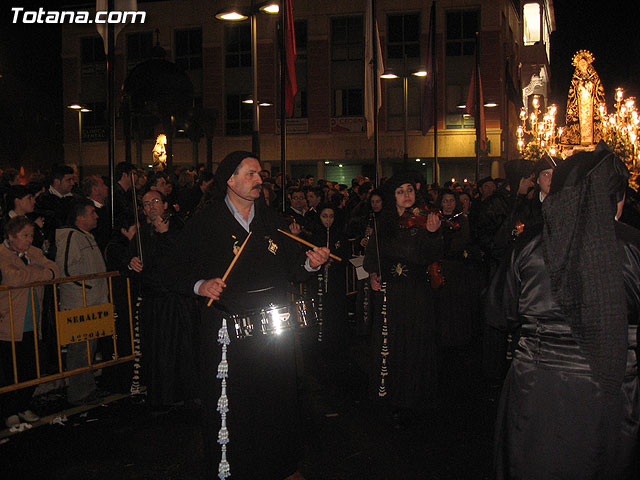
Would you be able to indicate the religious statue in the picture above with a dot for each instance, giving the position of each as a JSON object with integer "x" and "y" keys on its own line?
{"x": 160, "y": 153}
{"x": 584, "y": 124}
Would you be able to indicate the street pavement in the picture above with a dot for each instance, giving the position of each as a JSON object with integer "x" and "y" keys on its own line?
{"x": 346, "y": 434}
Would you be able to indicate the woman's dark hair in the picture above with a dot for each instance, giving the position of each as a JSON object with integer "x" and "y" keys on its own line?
{"x": 456, "y": 196}
{"x": 15, "y": 192}
{"x": 15, "y": 225}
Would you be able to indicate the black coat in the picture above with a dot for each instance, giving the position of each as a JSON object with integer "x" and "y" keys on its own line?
{"x": 262, "y": 368}
{"x": 554, "y": 420}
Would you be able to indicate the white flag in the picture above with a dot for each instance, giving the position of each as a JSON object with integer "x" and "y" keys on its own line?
{"x": 369, "y": 75}
{"x": 103, "y": 28}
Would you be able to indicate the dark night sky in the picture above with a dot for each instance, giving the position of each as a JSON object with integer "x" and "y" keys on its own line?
{"x": 610, "y": 31}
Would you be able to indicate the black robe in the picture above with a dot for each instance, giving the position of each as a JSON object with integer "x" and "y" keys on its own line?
{"x": 167, "y": 322}
{"x": 328, "y": 286}
{"x": 457, "y": 301}
{"x": 554, "y": 419}
{"x": 261, "y": 384}
{"x": 405, "y": 254}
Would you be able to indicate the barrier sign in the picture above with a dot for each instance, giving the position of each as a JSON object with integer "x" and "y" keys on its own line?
{"x": 89, "y": 323}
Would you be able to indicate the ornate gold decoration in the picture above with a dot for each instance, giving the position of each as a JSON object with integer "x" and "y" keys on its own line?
{"x": 586, "y": 54}
{"x": 160, "y": 152}
{"x": 538, "y": 132}
{"x": 620, "y": 131}
{"x": 583, "y": 120}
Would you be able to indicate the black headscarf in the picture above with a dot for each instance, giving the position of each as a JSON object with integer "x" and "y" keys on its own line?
{"x": 515, "y": 170}
{"x": 584, "y": 261}
{"x": 227, "y": 167}
{"x": 393, "y": 183}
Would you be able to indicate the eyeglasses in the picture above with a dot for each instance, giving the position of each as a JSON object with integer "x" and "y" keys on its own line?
{"x": 148, "y": 203}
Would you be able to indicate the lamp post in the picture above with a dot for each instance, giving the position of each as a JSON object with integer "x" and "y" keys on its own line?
{"x": 80, "y": 109}
{"x": 239, "y": 14}
{"x": 389, "y": 74}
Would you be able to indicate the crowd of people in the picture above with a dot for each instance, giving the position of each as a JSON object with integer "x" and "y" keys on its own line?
{"x": 448, "y": 266}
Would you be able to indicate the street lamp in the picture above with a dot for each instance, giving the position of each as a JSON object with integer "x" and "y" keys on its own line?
{"x": 80, "y": 109}
{"x": 239, "y": 14}
{"x": 389, "y": 74}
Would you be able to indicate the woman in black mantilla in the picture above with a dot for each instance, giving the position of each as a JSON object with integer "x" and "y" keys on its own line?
{"x": 570, "y": 405}
{"x": 403, "y": 338}
{"x": 329, "y": 283}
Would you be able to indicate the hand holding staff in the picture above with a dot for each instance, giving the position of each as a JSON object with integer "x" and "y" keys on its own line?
{"x": 233, "y": 262}
{"x": 308, "y": 244}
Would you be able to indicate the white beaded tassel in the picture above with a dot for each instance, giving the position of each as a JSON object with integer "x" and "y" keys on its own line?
{"x": 382, "y": 390}
{"x": 137, "y": 351}
{"x": 320, "y": 306}
{"x": 224, "y": 470}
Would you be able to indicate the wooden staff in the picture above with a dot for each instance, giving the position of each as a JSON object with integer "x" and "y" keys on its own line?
{"x": 308, "y": 244}
{"x": 233, "y": 262}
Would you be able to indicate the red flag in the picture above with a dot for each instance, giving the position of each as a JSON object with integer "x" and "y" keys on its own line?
{"x": 291, "y": 86}
{"x": 471, "y": 108}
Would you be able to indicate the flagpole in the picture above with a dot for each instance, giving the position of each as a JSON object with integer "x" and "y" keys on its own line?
{"x": 506, "y": 110}
{"x": 283, "y": 117}
{"x": 376, "y": 93}
{"x": 434, "y": 57}
{"x": 478, "y": 106}
{"x": 111, "y": 110}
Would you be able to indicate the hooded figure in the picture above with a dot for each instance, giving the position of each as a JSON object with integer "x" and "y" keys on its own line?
{"x": 570, "y": 405}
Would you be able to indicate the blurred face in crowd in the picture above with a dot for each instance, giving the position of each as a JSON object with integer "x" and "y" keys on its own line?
{"x": 376, "y": 203}
{"x": 88, "y": 220}
{"x": 246, "y": 181}
{"x": 448, "y": 203}
{"x": 153, "y": 205}
{"x": 100, "y": 192}
{"x": 21, "y": 241}
{"x": 65, "y": 185}
{"x": 544, "y": 180}
{"x": 465, "y": 201}
{"x": 312, "y": 199}
{"x": 327, "y": 217}
{"x": 141, "y": 179}
{"x": 298, "y": 201}
{"x": 25, "y": 204}
{"x": 487, "y": 189}
{"x": 162, "y": 186}
{"x": 405, "y": 197}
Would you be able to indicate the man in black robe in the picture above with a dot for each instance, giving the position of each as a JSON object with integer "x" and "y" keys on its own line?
{"x": 261, "y": 381}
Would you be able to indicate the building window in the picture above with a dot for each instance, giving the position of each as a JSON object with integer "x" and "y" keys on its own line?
{"x": 347, "y": 66}
{"x": 239, "y": 119}
{"x": 92, "y": 57}
{"x": 237, "y": 46}
{"x": 531, "y": 23}
{"x": 139, "y": 46}
{"x": 93, "y": 78}
{"x": 403, "y": 57}
{"x": 403, "y": 36}
{"x": 462, "y": 26}
{"x": 188, "y": 55}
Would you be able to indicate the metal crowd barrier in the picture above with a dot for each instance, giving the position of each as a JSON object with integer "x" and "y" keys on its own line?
{"x": 72, "y": 326}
